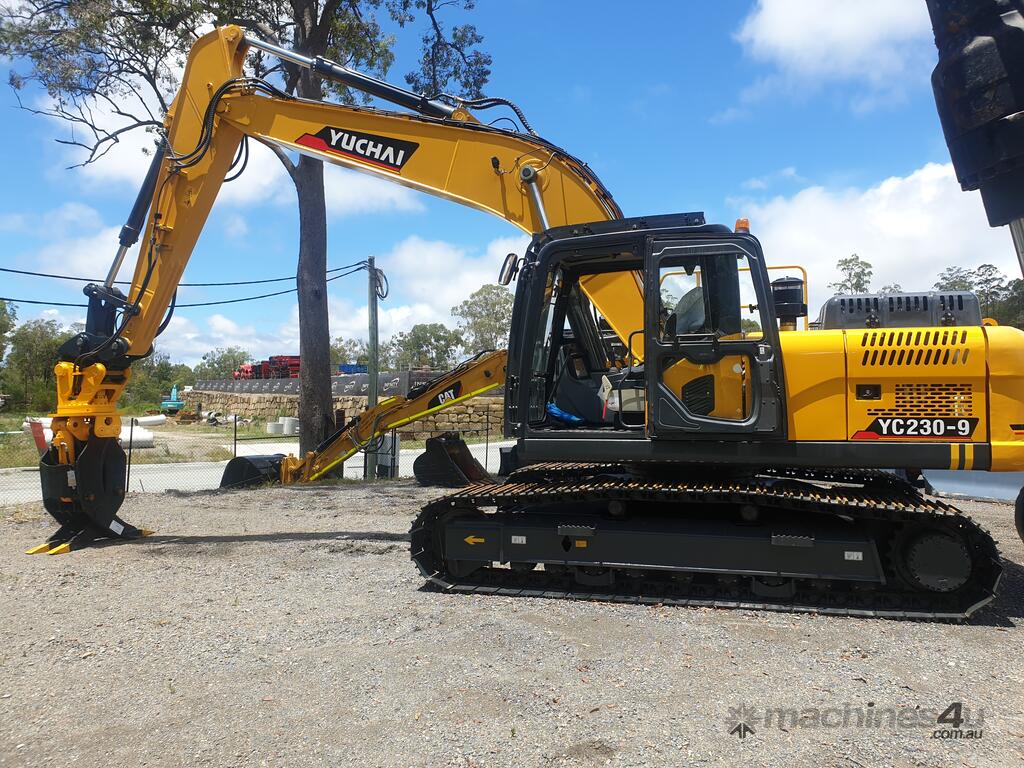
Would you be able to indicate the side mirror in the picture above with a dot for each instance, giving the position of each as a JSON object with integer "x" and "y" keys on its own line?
{"x": 509, "y": 269}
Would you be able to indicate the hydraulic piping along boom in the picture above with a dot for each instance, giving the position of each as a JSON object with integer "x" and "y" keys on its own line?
{"x": 439, "y": 148}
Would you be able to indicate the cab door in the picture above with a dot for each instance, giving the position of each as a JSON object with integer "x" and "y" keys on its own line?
{"x": 712, "y": 365}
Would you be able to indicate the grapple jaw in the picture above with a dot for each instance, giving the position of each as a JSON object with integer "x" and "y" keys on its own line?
{"x": 448, "y": 463}
{"x": 246, "y": 471}
{"x": 84, "y": 497}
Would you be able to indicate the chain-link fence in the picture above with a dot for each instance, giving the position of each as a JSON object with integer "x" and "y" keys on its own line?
{"x": 191, "y": 456}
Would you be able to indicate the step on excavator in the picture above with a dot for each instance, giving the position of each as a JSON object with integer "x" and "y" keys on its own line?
{"x": 681, "y": 437}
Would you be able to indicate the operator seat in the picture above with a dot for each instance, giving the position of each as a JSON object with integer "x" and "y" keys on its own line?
{"x": 689, "y": 311}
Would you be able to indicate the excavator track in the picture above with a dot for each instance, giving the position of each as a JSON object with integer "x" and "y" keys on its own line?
{"x": 901, "y": 528}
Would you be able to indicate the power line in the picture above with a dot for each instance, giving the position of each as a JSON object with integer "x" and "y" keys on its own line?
{"x": 261, "y": 296}
{"x": 352, "y": 270}
{"x": 181, "y": 285}
{"x": 44, "y": 303}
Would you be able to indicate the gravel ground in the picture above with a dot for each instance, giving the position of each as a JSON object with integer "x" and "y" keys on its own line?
{"x": 288, "y": 627}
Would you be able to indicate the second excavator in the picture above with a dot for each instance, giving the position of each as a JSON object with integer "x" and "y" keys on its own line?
{"x": 677, "y": 438}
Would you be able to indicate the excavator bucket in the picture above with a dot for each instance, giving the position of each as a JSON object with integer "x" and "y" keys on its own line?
{"x": 243, "y": 471}
{"x": 448, "y": 463}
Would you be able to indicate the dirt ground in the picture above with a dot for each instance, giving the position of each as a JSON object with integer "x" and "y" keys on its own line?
{"x": 288, "y": 627}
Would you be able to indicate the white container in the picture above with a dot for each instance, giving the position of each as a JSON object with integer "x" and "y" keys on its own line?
{"x": 150, "y": 421}
{"x": 290, "y": 424}
{"x": 275, "y": 428}
{"x": 135, "y": 438}
{"x": 141, "y": 437}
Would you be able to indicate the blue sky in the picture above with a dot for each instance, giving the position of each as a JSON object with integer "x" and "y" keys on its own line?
{"x": 819, "y": 128}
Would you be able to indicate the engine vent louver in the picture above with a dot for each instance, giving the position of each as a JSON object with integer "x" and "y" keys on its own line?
{"x": 930, "y": 401}
{"x": 932, "y": 309}
{"x": 918, "y": 347}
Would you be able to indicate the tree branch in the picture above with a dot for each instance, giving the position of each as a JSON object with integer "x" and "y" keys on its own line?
{"x": 281, "y": 155}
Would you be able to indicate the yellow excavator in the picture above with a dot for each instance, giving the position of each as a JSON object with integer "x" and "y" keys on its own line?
{"x": 678, "y": 440}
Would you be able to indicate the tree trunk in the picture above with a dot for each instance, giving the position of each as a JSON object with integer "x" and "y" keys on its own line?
{"x": 316, "y": 412}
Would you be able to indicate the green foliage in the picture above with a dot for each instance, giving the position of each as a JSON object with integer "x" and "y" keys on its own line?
{"x": 485, "y": 318}
{"x": 425, "y": 345}
{"x": 97, "y": 58}
{"x": 1011, "y": 307}
{"x": 856, "y": 275}
{"x": 891, "y": 288}
{"x": 28, "y": 366}
{"x": 449, "y": 56}
{"x": 152, "y": 379}
{"x": 220, "y": 363}
{"x": 955, "y": 279}
{"x": 1001, "y": 300}
{"x": 7, "y": 318}
{"x": 990, "y": 287}
{"x": 349, "y": 351}
{"x": 126, "y": 55}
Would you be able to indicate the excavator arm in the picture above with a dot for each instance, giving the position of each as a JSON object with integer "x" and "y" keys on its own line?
{"x": 440, "y": 149}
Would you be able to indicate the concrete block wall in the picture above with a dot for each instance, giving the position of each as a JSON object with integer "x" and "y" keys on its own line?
{"x": 474, "y": 416}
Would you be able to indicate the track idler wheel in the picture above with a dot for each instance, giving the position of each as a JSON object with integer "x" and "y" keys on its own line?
{"x": 934, "y": 560}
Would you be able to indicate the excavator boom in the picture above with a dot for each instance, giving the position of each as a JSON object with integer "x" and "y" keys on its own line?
{"x": 439, "y": 148}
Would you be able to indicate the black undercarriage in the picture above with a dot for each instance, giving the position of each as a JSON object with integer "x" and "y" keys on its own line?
{"x": 852, "y": 542}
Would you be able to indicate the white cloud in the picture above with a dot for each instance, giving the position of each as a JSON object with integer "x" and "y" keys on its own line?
{"x": 186, "y": 341}
{"x": 441, "y": 274}
{"x": 428, "y": 277}
{"x": 67, "y": 219}
{"x": 909, "y": 227}
{"x": 88, "y": 256}
{"x": 235, "y": 226}
{"x": 264, "y": 180}
{"x": 431, "y": 276}
{"x": 350, "y": 193}
{"x": 13, "y": 222}
{"x": 868, "y": 39}
{"x": 880, "y": 45}
{"x": 65, "y": 316}
{"x": 352, "y": 322}
{"x": 729, "y": 115}
{"x": 760, "y": 183}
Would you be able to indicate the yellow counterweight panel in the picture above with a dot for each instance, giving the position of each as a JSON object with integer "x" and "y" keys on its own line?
{"x": 1006, "y": 397}
{"x": 919, "y": 376}
{"x": 815, "y": 369}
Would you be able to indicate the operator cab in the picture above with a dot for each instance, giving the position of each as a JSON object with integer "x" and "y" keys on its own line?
{"x": 697, "y": 357}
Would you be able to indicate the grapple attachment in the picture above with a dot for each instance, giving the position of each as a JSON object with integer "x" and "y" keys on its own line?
{"x": 244, "y": 471}
{"x": 84, "y": 497}
{"x": 448, "y": 463}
